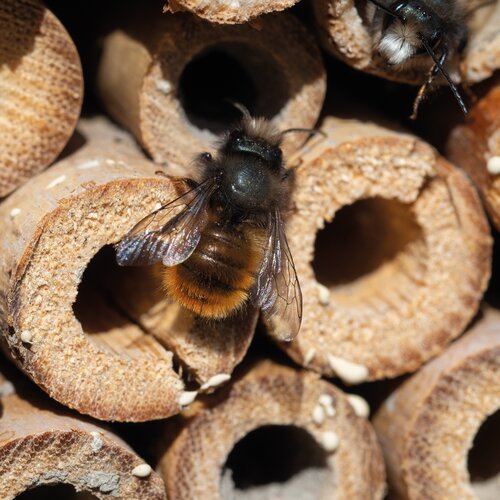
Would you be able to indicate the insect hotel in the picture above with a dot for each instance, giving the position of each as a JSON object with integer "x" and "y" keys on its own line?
{"x": 249, "y": 250}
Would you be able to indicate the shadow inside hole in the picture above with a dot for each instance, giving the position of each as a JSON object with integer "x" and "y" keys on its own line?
{"x": 280, "y": 460}
{"x": 55, "y": 492}
{"x": 227, "y": 73}
{"x": 484, "y": 459}
{"x": 95, "y": 306}
{"x": 363, "y": 237}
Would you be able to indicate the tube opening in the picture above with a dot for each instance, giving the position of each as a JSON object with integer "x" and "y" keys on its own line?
{"x": 55, "y": 492}
{"x": 230, "y": 72}
{"x": 483, "y": 461}
{"x": 373, "y": 246}
{"x": 101, "y": 307}
{"x": 275, "y": 461}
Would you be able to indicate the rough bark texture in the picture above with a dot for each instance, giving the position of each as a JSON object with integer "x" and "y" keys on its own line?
{"x": 41, "y": 90}
{"x": 229, "y": 11}
{"x": 475, "y": 146}
{"x": 345, "y": 34}
{"x": 427, "y": 426}
{"x": 100, "y": 338}
{"x": 404, "y": 259}
{"x": 194, "y": 466}
{"x": 143, "y": 90}
{"x": 42, "y": 444}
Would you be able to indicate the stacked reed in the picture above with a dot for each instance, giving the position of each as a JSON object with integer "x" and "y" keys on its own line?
{"x": 390, "y": 242}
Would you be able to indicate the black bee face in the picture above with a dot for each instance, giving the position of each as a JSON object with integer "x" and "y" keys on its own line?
{"x": 424, "y": 21}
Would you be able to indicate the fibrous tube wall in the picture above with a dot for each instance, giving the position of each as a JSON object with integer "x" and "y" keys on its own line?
{"x": 392, "y": 250}
{"x": 427, "y": 427}
{"x": 177, "y": 86}
{"x": 41, "y": 90}
{"x": 98, "y": 338}
{"x": 302, "y": 440}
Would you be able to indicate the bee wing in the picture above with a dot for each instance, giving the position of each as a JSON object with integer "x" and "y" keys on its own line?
{"x": 277, "y": 290}
{"x": 171, "y": 233}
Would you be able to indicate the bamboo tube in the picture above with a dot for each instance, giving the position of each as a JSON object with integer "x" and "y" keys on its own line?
{"x": 228, "y": 12}
{"x": 475, "y": 146}
{"x": 427, "y": 426}
{"x": 62, "y": 321}
{"x": 41, "y": 90}
{"x": 276, "y": 432}
{"x": 402, "y": 263}
{"x": 172, "y": 88}
{"x": 345, "y": 32}
{"x": 43, "y": 444}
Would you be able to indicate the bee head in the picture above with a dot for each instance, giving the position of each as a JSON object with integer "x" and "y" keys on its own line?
{"x": 406, "y": 23}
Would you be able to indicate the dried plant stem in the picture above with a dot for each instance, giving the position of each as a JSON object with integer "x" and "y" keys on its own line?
{"x": 96, "y": 337}
{"x": 278, "y": 72}
{"x": 402, "y": 263}
{"x": 330, "y": 451}
{"x": 427, "y": 426}
{"x": 44, "y": 444}
{"x": 229, "y": 11}
{"x": 41, "y": 90}
{"x": 475, "y": 146}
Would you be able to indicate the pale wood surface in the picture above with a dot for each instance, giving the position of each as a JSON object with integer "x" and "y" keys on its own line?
{"x": 41, "y": 90}
{"x": 404, "y": 273}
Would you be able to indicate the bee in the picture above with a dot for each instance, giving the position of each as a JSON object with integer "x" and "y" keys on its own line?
{"x": 222, "y": 242}
{"x": 408, "y": 32}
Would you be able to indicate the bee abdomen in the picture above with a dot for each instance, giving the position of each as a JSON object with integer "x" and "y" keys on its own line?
{"x": 216, "y": 279}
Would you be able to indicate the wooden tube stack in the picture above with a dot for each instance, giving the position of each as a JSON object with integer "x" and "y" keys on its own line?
{"x": 41, "y": 90}
{"x": 229, "y": 12}
{"x": 43, "y": 444}
{"x": 67, "y": 329}
{"x": 475, "y": 146}
{"x": 427, "y": 426}
{"x": 403, "y": 262}
{"x": 323, "y": 428}
{"x": 345, "y": 32}
{"x": 143, "y": 91}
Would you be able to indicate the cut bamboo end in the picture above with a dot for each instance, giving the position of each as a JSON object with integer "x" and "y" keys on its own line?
{"x": 63, "y": 314}
{"x": 229, "y": 11}
{"x": 41, "y": 444}
{"x": 475, "y": 146}
{"x": 428, "y": 425}
{"x": 344, "y": 29}
{"x": 41, "y": 90}
{"x": 302, "y": 439}
{"x": 392, "y": 250}
{"x": 155, "y": 91}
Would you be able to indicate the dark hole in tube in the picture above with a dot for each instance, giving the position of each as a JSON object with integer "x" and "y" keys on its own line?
{"x": 95, "y": 306}
{"x": 284, "y": 461}
{"x": 228, "y": 73}
{"x": 55, "y": 492}
{"x": 484, "y": 459}
{"x": 361, "y": 238}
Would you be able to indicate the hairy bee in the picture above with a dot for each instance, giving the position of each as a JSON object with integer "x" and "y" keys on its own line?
{"x": 222, "y": 242}
{"x": 408, "y": 32}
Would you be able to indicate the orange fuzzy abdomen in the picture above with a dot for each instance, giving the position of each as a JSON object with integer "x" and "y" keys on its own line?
{"x": 216, "y": 280}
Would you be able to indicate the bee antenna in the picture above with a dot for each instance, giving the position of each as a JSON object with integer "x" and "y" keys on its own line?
{"x": 439, "y": 66}
{"x": 387, "y": 10}
{"x": 310, "y": 131}
{"x": 240, "y": 107}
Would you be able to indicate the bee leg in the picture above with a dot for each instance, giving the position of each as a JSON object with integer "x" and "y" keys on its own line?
{"x": 436, "y": 68}
{"x": 422, "y": 91}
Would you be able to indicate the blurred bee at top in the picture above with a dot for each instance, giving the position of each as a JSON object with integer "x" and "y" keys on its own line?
{"x": 223, "y": 241}
{"x": 407, "y": 32}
